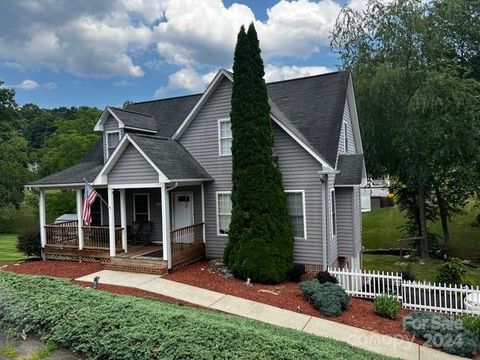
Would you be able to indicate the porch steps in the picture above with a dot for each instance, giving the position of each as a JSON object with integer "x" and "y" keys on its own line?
{"x": 138, "y": 265}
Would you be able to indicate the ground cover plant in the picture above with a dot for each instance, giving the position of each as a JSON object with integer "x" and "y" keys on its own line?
{"x": 329, "y": 298}
{"x": 100, "y": 325}
{"x": 446, "y": 333}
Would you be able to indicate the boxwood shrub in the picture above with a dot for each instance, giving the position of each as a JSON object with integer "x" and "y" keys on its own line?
{"x": 447, "y": 333}
{"x": 330, "y": 299}
{"x": 102, "y": 325}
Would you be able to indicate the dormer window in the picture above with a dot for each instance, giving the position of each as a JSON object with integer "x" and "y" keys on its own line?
{"x": 113, "y": 137}
{"x": 224, "y": 137}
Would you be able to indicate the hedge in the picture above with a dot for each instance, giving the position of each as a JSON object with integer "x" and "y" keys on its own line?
{"x": 101, "y": 325}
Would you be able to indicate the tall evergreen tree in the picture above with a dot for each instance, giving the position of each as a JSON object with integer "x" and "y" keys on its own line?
{"x": 260, "y": 243}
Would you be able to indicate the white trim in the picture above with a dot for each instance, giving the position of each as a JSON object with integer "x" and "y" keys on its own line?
{"x": 42, "y": 217}
{"x": 189, "y": 193}
{"x": 99, "y": 126}
{"x": 123, "y": 219}
{"x": 207, "y": 93}
{"x": 192, "y": 181}
{"x": 202, "y": 190}
{"x": 101, "y": 178}
{"x": 136, "y": 186}
{"x": 107, "y": 143}
{"x": 333, "y": 208}
{"x": 217, "y": 214}
{"x": 220, "y": 138}
{"x": 79, "y": 199}
{"x": 139, "y": 129}
{"x": 167, "y": 250}
{"x": 148, "y": 205}
{"x": 111, "y": 222}
{"x": 304, "y": 213}
{"x": 73, "y": 185}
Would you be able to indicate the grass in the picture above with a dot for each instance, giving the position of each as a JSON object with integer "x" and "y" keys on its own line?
{"x": 8, "y": 352}
{"x": 21, "y": 219}
{"x": 44, "y": 352}
{"x": 381, "y": 230}
{"x": 8, "y": 250}
{"x": 425, "y": 272}
{"x": 98, "y": 324}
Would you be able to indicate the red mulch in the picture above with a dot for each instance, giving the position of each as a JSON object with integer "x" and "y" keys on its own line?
{"x": 359, "y": 312}
{"x": 62, "y": 269}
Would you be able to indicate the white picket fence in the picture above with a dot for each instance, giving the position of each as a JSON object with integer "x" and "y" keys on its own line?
{"x": 413, "y": 295}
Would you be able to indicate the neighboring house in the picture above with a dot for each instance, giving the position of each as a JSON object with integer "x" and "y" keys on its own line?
{"x": 165, "y": 166}
{"x": 375, "y": 195}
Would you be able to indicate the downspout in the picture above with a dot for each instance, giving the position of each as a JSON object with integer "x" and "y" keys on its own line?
{"x": 324, "y": 180}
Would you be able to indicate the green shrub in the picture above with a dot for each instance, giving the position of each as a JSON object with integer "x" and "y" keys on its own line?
{"x": 29, "y": 242}
{"x": 330, "y": 299}
{"x": 451, "y": 272}
{"x": 386, "y": 306}
{"x": 102, "y": 325}
{"x": 442, "y": 332}
{"x": 472, "y": 323}
{"x": 324, "y": 277}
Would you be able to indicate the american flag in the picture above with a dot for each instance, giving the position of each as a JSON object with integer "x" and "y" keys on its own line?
{"x": 89, "y": 196}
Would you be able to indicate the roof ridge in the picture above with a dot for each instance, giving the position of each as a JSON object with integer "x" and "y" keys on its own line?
{"x": 163, "y": 99}
{"x": 308, "y": 77}
{"x": 130, "y": 111}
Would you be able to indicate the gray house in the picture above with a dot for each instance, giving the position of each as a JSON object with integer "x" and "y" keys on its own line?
{"x": 163, "y": 168}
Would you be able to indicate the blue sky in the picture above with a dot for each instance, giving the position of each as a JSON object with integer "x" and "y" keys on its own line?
{"x": 85, "y": 52}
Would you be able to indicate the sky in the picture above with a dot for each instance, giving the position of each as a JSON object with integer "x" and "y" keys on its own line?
{"x": 98, "y": 53}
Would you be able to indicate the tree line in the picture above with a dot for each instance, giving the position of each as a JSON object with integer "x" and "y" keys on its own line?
{"x": 416, "y": 69}
{"x": 37, "y": 142}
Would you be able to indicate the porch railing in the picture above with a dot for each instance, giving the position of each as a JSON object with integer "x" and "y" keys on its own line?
{"x": 97, "y": 237}
{"x": 62, "y": 234}
{"x": 186, "y": 238}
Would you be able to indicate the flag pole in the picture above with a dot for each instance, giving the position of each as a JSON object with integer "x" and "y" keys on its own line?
{"x": 100, "y": 196}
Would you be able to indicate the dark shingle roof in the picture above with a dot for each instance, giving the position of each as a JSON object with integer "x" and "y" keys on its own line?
{"x": 88, "y": 168}
{"x": 171, "y": 157}
{"x": 351, "y": 169}
{"x": 314, "y": 105}
{"x": 168, "y": 113}
{"x": 135, "y": 119}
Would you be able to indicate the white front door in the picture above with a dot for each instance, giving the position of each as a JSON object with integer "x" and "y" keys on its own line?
{"x": 182, "y": 209}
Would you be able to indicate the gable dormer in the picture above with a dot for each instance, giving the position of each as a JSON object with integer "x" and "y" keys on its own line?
{"x": 115, "y": 122}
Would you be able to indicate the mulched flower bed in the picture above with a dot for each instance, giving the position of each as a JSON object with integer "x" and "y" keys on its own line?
{"x": 288, "y": 296}
{"x": 60, "y": 269}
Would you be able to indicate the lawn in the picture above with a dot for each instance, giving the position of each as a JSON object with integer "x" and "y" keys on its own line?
{"x": 100, "y": 325}
{"x": 8, "y": 251}
{"x": 21, "y": 219}
{"x": 425, "y": 272}
{"x": 381, "y": 229}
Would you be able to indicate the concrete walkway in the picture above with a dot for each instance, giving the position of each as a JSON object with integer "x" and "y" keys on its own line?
{"x": 357, "y": 337}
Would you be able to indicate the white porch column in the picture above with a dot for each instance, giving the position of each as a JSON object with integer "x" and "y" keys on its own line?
{"x": 111, "y": 221}
{"x": 123, "y": 218}
{"x": 203, "y": 210}
{"x": 79, "y": 219}
{"x": 167, "y": 251}
{"x": 41, "y": 205}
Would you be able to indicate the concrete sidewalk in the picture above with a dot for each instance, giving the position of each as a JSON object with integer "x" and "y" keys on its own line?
{"x": 357, "y": 337}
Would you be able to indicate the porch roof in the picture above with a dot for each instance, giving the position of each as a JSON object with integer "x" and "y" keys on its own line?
{"x": 87, "y": 168}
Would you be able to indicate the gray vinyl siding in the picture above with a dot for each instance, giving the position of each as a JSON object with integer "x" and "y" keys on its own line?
{"x": 345, "y": 221}
{"x": 299, "y": 169}
{"x": 350, "y": 137}
{"x": 357, "y": 220}
{"x": 132, "y": 168}
{"x": 110, "y": 125}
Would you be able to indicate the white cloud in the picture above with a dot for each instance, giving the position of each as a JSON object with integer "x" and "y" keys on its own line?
{"x": 50, "y": 85}
{"x": 274, "y": 73}
{"x": 14, "y": 65}
{"x": 186, "y": 78}
{"x": 28, "y": 85}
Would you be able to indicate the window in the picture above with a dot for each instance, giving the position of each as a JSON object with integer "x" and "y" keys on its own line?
{"x": 141, "y": 207}
{"x": 224, "y": 137}
{"x": 334, "y": 212}
{"x": 296, "y": 209}
{"x": 112, "y": 140}
{"x": 345, "y": 137}
{"x": 224, "y": 211}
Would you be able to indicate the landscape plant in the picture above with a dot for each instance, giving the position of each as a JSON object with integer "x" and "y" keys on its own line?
{"x": 386, "y": 306}
{"x": 451, "y": 272}
{"x": 446, "y": 333}
{"x": 330, "y": 299}
{"x": 260, "y": 237}
{"x": 28, "y": 242}
{"x": 101, "y": 325}
{"x": 325, "y": 276}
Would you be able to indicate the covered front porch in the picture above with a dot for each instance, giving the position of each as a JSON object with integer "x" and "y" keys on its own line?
{"x": 158, "y": 223}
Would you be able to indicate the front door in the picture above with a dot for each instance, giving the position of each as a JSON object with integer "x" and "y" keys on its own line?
{"x": 182, "y": 209}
